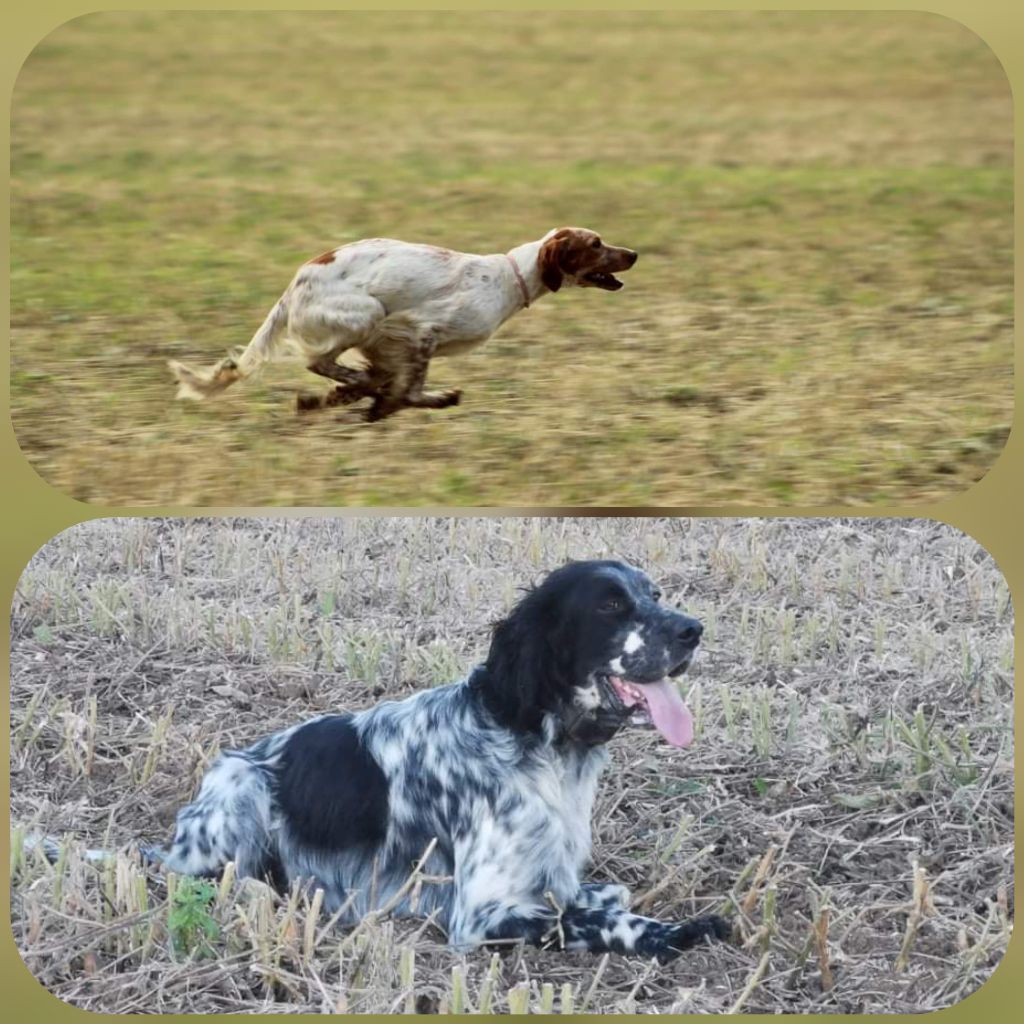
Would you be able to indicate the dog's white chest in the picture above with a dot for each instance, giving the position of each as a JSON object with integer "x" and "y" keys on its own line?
{"x": 560, "y": 805}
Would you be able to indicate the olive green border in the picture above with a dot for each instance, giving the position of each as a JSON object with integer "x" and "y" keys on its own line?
{"x": 33, "y": 512}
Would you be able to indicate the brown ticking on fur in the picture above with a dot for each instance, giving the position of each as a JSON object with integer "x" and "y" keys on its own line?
{"x": 324, "y": 257}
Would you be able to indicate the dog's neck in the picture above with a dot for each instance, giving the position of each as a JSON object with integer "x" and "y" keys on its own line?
{"x": 525, "y": 258}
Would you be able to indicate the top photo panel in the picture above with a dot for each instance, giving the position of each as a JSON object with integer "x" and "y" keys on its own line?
{"x": 668, "y": 259}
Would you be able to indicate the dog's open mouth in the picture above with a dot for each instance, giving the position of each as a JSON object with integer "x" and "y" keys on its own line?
{"x": 658, "y": 704}
{"x": 609, "y": 282}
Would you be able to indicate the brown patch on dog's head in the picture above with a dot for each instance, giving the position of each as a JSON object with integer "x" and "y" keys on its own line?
{"x": 580, "y": 254}
{"x": 549, "y": 260}
{"x": 324, "y": 257}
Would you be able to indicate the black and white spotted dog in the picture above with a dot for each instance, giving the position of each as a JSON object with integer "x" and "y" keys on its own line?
{"x": 501, "y": 769}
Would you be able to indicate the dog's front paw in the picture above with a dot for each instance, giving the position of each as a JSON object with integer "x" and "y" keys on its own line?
{"x": 667, "y": 941}
{"x": 709, "y": 928}
{"x": 440, "y": 399}
{"x": 305, "y": 402}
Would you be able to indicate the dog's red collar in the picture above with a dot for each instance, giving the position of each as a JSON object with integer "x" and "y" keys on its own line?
{"x": 519, "y": 280}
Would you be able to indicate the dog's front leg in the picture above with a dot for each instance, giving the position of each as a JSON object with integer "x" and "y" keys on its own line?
{"x": 406, "y": 388}
{"x": 609, "y": 929}
{"x": 599, "y": 920}
{"x": 614, "y": 929}
{"x": 500, "y": 921}
{"x": 485, "y": 910}
{"x": 601, "y": 896}
{"x": 494, "y": 896}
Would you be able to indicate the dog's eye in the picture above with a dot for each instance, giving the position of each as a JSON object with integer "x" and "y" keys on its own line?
{"x": 596, "y": 243}
{"x": 612, "y": 604}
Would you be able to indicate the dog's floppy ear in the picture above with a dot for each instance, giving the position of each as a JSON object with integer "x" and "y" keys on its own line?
{"x": 549, "y": 260}
{"x": 518, "y": 679}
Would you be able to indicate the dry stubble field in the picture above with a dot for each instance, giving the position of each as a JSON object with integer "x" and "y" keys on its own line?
{"x": 848, "y": 799}
{"x": 822, "y": 310}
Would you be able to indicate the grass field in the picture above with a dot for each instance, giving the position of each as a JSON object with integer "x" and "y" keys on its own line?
{"x": 848, "y": 799}
{"x": 822, "y": 202}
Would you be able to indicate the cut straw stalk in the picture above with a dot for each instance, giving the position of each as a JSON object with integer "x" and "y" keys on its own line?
{"x": 752, "y": 982}
{"x": 309, "y": 932}
{"x": 519, "y": 998}
{"x": 763, "y": 867}
{"x": 920, "y": 907}
{"x": 487, "y": 988}
{"x": 407, "y": 977}
{"x": 547, "y": 998}
{"x": 670, "y": 877}
{"x": 156, "y": 744}
{"x": 568, "y": 999}
{"x": 595, "y": 981}
{"x": 821, "y": 943}
{"x": 459, "y": 1002}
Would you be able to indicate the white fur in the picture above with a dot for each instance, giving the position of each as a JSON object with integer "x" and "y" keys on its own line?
{"x": 379, "y": 293}
{"x": 393, "y": 305}
{"x": 587, "y": 697}
{"x": 633, "y": 642}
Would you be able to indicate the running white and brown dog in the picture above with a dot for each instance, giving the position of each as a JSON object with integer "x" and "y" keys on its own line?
{"x": 498, "y": 772}
{"x": 372, "y": 314}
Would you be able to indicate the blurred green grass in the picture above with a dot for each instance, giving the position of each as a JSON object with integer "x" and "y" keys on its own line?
{"x": 822, "y": 202}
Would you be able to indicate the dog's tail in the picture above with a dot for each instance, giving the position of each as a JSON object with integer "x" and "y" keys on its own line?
{"x": 50, "y": 848}
{"x": 197, "y": 384}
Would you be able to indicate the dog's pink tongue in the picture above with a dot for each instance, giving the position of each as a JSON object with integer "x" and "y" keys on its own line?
{"x": 670, "y": 715}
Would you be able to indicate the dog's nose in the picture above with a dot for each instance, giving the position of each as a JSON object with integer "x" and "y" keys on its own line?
{"x": 691, "y": 632}
{"x": 630, "y": 256}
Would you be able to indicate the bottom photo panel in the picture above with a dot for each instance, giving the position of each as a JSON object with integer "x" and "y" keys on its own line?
{"x": 511, "y": 765}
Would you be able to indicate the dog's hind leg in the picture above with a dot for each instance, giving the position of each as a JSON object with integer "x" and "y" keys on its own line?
{"x": 353, "y": 384}
{"x": 341, "y": 395}
{"x": 228, "y": 820}
{"x": 348, "y": 376}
